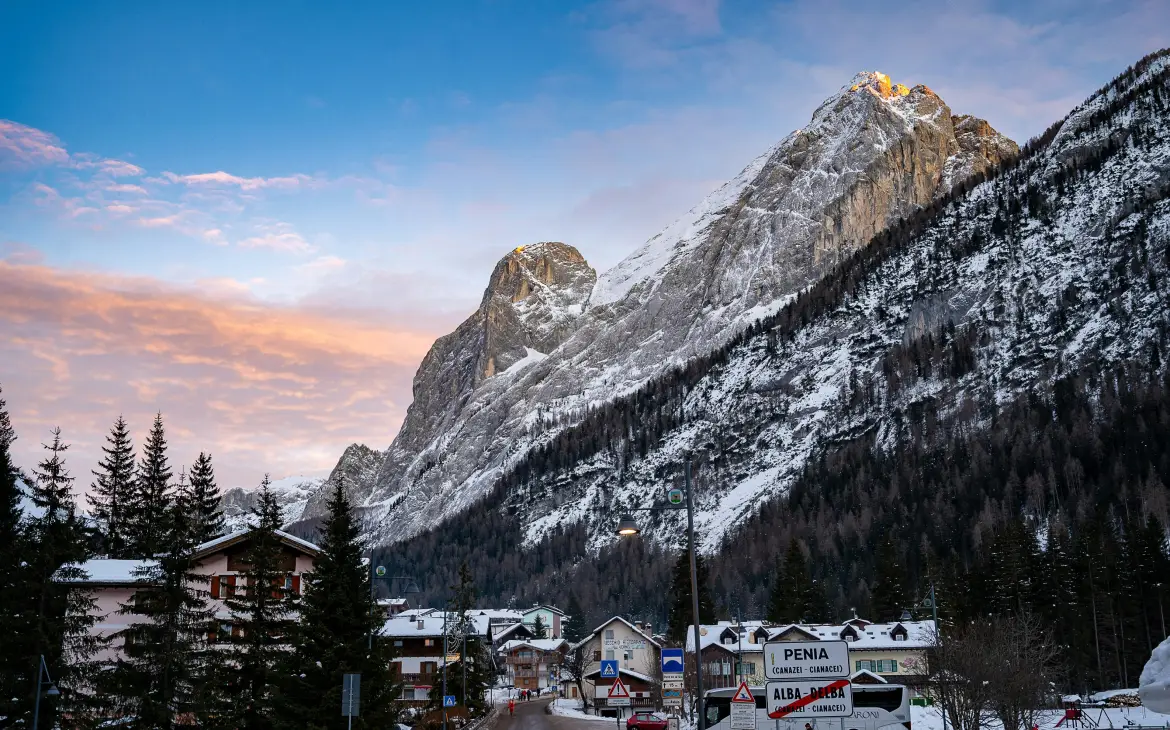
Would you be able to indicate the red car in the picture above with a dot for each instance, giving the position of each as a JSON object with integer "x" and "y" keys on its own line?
{"x": 646, "y": 721}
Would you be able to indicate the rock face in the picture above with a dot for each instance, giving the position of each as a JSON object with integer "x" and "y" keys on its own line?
{"x": 358, "y": 465}
{"x": 291, "y": 493}
{"x": 873, "y": 152}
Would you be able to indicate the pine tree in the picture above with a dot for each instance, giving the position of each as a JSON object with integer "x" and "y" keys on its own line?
{"x": 146, "y": 514}
{"x": 113, "y": 488}
{"x": 59, "y": 616}
{"x": 161, "y": 670}
{"x": 475, "y": 661}
{"x": 574, "y": 627}
{"x": 206, "y": 500}
{"x": 263, "y": 612}
{"x": 338, "y": 617}
{"x": 681, "y": 608}
{"x": 888, "y": 594}
{"x": 794, "y": 598}
{"x": 14, "y": 575}
{"x": 539, "y": 630}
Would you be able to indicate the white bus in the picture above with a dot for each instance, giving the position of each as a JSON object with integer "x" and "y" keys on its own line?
{"x": 875, "y": 706}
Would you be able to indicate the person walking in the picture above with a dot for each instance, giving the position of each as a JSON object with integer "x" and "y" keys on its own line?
{"x": 511, "y": 706}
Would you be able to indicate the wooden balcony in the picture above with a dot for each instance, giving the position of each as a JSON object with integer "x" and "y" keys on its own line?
{"x": 426, "y": 679}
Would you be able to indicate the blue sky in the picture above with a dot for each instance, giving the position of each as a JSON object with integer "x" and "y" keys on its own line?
{"x": 364, "y": 166}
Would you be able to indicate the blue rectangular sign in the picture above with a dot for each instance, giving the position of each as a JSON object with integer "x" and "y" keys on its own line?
{"x": 672, "y": 661}
{"x": 448, "y": 700}
{"x": 609, "y": 669}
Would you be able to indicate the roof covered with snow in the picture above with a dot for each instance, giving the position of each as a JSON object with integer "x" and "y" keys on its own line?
{"x": 538, "y": 644}
{"x": 236, "y": 535}
{"x": 917, "y": 634}
{"x": 110, "y": 571}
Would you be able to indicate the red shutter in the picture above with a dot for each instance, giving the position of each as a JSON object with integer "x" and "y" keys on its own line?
{"x": 296, "y": 584}
{"x": 215, "y": 586}
{"x": 231, "y": 586}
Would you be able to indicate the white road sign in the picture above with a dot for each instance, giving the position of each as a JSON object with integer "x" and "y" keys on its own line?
{"x": 810, "y": 698}
{"x": 806, "y": 659}
{"x": 743, "y": 709}
{"x": 672, "y": 684}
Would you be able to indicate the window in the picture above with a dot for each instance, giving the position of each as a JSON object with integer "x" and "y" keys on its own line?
{"x": 398, "y": 642}
{"x": 428, "y": 642}
{"x": 609, "y": 654}
{"x": 626, "y": 656}
{"x": 609, "y": 634}
{"x": 865, "y": 664}
{"x": 899, "y": 637}
{"x": 597, "y": 655}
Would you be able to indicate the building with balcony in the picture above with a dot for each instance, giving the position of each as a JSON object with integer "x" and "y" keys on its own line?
{"x": 533, "y": 663}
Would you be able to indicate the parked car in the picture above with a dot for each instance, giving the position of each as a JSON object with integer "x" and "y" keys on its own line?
{"x": 646, "y": 721}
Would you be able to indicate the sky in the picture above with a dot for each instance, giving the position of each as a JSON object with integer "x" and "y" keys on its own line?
{"x": 255, "y": 218}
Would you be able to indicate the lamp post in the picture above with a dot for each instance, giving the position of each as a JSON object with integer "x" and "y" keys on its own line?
{"x": 380, "y": 572}
{"x": 628, "y": 526}
{"x": 52, "y": 691}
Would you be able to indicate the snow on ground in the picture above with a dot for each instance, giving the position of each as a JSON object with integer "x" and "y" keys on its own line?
{"x": 530, "y": 357}
{"x": 929, "y": 718}
{"x": 572, "y": 708}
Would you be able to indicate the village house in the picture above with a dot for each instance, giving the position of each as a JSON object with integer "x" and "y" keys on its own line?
{"x": 892, "y": 652}
{"x": 534, "y": 663}
{"x": 551, "y": 618}
{"x": 114, "y": 583}
{"x": 638, "y": 657}
{"x": 417, "y": 639}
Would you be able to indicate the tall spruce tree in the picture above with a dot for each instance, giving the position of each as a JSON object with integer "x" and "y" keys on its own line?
{"x": 681, "y": 609}
{"x": 474, "y": 662}
{"x": 112, "y": 489}
{"x": 158, "y": 678}
{"x": 146, "y": 514}
{"x": 539, "y": 630}
{"x": 888, "y": 593}
{"x": 795, "y": 598}
{"x": 60, "y": 616}
{"x": 205, "y": 495}
{"x": 14, "y": 575}
{"x": 338, "y": 616}
{"x": 263, "y": 611}
{"x": 574, "y": 627}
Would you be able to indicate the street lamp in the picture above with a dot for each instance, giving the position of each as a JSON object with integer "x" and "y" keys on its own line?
{"x": 52, "y": 691}
{"x": 627, "y": 526}
{"x": 379, "y": 571}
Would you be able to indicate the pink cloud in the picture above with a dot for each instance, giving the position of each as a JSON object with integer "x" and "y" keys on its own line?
{"x": 23, "y": 146}
{"x": 263, "y": 387}
{"x": 224, "y": 179}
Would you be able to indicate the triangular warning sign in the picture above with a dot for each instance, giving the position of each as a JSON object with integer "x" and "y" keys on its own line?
{"x": 743, "y": 694}
{"x": 617, "y": 690}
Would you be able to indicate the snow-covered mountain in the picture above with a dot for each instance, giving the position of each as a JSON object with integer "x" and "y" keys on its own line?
{"x": 873, "y": 152}
{"x": 292, "y": 493}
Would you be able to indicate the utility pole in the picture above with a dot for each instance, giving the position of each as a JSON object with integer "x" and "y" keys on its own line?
{"x": 695, "y": 597}
{"x": 446, "y": 612}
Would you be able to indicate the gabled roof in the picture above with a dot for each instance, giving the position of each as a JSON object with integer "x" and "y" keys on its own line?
{"x": 538, "y": 644}
{"x": 234, "y": 538}
{"x": 540, "y": 606}
{"x": 508, "y": 630}
{"x": 109, "y": 572}
{"x": 864, "y": 676}
{"x": 791, "y": 629}
{"x": 599, "y": 629}
{"x": 628, "y": 672}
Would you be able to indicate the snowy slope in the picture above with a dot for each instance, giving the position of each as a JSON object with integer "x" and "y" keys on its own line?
{"x": 871, "y": 154}
{"x": 1078, "y": 278}
{"x": 292, "y": 493}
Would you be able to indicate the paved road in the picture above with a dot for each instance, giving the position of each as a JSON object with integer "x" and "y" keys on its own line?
{"x": 531, "y": 716}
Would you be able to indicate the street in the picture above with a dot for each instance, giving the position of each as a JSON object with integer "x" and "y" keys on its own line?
{"x": 532, "y": 716}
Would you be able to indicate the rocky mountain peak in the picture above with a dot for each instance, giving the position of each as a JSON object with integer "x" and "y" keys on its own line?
{"x": 878, "y": 83}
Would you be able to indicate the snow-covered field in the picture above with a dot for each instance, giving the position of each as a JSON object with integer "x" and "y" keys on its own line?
{"x": 929, "y": 718}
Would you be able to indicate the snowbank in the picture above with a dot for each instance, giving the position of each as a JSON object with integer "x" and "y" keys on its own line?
{"x": 1154, "y": 684}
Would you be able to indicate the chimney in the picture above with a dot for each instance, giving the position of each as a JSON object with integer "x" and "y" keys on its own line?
{"x": 421, "y": 624}
{"x": 647, "y": 628}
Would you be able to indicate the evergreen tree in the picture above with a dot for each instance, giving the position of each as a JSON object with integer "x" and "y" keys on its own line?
{"x": 59, "y": 617}
{"x": 338, "y": 617}
{"x": 158, "y": 677}
{"x": 146, "y": 514}
{"x": 206, "y": 500}
{"x": 681, "y": 607}
{"x": 14, "y": 575}
{"x": 795, "y": 598}
{"x": 263, "y": 612}
{"x": 574, "y": 627}
{"x": 539, "y": 630}
{"x": 888, "y": 594}
{"x": 475, "y": 660}
{"x": 113, "y": 489}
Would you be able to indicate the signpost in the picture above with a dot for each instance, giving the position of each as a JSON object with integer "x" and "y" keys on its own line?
{"x": 672, "y": 676}
{"x": 609, "y": 669}
{"x": 351, "y": 696}
{"x": 743, "y": 709}
{"x": 811, "y": 679}
{"x": 448, "y": 700}
{"x": 672, "y": 661}
{"x": 618, "y": 696}
{"x": 675, "y": 497}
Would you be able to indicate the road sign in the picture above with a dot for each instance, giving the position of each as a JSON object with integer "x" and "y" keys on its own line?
{"x": 672, "y": 723}
{"x": 675, "y": 496}
{"x": 672, "y": 684}
{"x": 672, "y": 702}
{"x": 351, "y": 695}
{"x": 672, "y": 661}
{"x": 609, "y": 669}
{"x": 618, "y": 695}
{"x": 380, "y": 571}
{"x": 806, "y": 659}
{"x": 672, "y": 693}
{"x": 810, "y": 698}
{"x": 743, "y": 694}
{"x": 448, "y": 700}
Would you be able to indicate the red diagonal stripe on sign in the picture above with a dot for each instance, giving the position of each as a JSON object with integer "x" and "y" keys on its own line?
{"x": 808, "y": 699}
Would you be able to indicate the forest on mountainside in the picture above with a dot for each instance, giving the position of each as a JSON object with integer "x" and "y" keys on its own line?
{"x": 1048, "y": 500}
